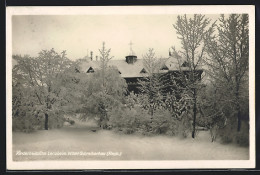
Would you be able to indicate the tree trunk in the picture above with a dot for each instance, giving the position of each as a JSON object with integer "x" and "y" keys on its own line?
{"x": 46, "y": 122}
{"x": 238, "y": 108}
{"x": 152, "y": 109}
{"x": 238, "y": 119}
{"x": 194, "y": 113}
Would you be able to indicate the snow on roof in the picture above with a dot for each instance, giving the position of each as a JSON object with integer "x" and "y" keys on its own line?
{"x": 131, "y": 70}
{"x": 128, "y": 70}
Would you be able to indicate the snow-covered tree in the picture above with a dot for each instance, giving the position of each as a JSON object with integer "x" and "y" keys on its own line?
{"x": 96, "y": 94}
{"x": 152, "y": 84}
{"x": 42, "y": 76}
{"x": 104, "y": 59}
{"x": 228, "y": 50}
{"x": 191, "y": 32}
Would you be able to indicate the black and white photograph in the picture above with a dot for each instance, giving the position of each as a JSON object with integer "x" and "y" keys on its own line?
{"x": 133, "y": 87}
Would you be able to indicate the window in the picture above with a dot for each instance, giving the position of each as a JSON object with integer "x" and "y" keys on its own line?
{"x": 164, "y": 67}
{"x": 90, "y": 70}
{"x": 143, "y": 71}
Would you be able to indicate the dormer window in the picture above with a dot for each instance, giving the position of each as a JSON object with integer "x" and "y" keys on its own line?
{"x": 164, "y": 67}
{"x": 143, "y": 71}
{"x": 90, "y": 70}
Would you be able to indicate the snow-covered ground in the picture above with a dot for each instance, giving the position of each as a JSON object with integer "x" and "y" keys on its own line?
{"x": 79, "y": 142}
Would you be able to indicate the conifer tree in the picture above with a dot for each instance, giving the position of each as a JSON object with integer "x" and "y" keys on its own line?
{"x": 151, "y": 86}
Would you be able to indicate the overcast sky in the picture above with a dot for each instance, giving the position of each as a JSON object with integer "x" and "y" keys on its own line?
{"x": 79, "y": 35}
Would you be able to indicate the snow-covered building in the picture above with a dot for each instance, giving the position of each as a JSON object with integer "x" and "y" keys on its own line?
{"x": 131, "y": 68}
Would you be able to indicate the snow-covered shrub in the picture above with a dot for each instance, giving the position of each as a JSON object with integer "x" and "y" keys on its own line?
{"x": 27, "y": 122}
{"x": 242, "y": 137}
{"x": 229, "y": 134}
{"x": 56, "y": 121}
{"x": 72, "y": 122}
{"x": 24, "y": 123}
{"x": 183, "y": 127}
{"x": 138, "y": 120}
{"x": 161, "y": 122}
{"x": 127, "y": 120}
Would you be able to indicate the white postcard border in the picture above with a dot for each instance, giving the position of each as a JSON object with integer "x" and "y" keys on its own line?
{"x": 120, "y": 10}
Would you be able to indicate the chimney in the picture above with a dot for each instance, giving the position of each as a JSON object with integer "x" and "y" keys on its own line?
{"x": 91, "y": 55}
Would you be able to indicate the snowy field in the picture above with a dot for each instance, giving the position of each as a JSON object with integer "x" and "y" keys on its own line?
{"x": 79, "y": 142}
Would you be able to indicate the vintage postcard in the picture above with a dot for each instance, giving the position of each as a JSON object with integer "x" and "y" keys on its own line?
{"x": 130, "y": 87}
